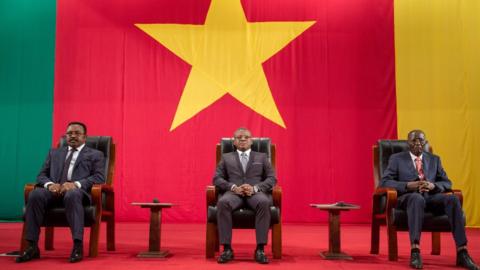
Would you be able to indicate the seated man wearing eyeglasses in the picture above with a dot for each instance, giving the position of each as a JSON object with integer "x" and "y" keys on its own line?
{"x": 244, "y": 177}
{"x": 66, "y": 178}
{"x": 420, "y": 181}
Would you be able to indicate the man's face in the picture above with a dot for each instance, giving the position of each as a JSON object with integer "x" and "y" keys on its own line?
{"x": 416, "y": 142}
{"x": 75, "y": 136}
{"x": 242, "y": 140}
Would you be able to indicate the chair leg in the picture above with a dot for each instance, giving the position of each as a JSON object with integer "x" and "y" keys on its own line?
{"x": 375, "y": 236}
{"x": 94, "y": 236}
{"x": 277, "y": 241}
{"x": 392, "y": 243}
{"x": 111, "y": 234}
{"x": 436, "y": 243}
{"x": 23, "y": 241}
{"x": 49, "y": 238}
{"x": 210, "y": 241}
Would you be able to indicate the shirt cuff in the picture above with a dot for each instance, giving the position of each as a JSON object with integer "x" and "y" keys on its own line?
{"x": 47, "y": 184}
{"x": 233, "y": 187}
{"x": 256, "y": 189}
{"x": 77, "y": 183}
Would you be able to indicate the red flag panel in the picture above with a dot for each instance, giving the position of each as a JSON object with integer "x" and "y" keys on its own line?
{"x": 334, "y": 86}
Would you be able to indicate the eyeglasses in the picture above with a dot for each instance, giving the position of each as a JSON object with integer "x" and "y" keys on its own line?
{"x": 73, "y": 133}
{"x": 418, "y": 141}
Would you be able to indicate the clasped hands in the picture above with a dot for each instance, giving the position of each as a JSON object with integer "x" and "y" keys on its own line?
{"x": 420, "y": 186}
{"x": 60, "y": 189}
{"x": 244, "y": 190}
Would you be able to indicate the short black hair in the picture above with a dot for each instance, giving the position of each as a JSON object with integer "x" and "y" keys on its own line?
{"x": 241, "y": 129}
{"x": 80, "y": 124}
{"x": 415, "y": 131}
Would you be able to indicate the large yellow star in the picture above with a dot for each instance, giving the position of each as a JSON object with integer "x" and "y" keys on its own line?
{"x": 226, "y": 54}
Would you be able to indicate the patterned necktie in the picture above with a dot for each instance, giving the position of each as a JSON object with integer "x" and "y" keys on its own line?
{"x": 418, "y": 164}
{"x": 244, "y": 161}
{"x": 66, "y": 165}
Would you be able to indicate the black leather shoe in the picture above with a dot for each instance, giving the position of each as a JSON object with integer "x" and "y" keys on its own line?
{"x": 30, "y": 253}
{"x": 260, "y": 257}
{"x": 226, "y": 256}
{"x": 77, "y": 254}
{"x": 416, "y": 259}
{"x": 464, "y": 260}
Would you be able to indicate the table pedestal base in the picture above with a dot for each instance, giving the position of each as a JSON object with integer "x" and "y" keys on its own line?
{"x": 154, "y": 239}
{"x": 335, "y": 256}
{"x": 153, "y": 254}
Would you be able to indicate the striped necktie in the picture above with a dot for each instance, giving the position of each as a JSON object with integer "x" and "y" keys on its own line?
{"x": 419, "y": 165}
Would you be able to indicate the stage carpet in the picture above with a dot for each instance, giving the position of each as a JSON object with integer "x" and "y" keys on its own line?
{"x": 302, "y": 244}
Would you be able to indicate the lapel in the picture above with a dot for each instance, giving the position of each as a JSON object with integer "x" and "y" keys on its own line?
{"x": 425, "y": 163}
{"x": 410, "y": 165}
{"x": 250, "y": 161}
{"x": 80, "y": 157}
{"x": 237, "y": 160}
{"x": 61, "y": 156}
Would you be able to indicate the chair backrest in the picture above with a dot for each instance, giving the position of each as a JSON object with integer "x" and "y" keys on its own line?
{"x": 382, "y": 152}
{"x": 106, "y": 146}
{"x": 262, "y": 145}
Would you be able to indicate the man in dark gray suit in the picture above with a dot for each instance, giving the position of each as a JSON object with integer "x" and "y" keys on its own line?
{"x": 419, "y": 179}
{"x": 244, "y": 177}
{"x": 66, "y": 178}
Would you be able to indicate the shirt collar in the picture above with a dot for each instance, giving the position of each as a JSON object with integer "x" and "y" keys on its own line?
{"x": 413, "y": 157}
{"x": 78, "y": 149}
{"x": 246, "y": 152}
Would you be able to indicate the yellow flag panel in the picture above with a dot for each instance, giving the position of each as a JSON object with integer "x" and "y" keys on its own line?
{"x": 437, "y": 48}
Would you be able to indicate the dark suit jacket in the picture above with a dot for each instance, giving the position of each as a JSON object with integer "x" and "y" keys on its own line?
{"x": 401, "y": 170}
{"x": 88, "y": 169}
{"x": 259, "y": 172}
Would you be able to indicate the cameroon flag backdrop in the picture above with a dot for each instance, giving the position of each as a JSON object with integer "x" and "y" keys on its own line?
{"x": 167, "y": 79}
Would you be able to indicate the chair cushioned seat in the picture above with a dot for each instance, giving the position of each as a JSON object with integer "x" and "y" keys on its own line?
{"x": 56, "y": 217}
{"x": 243, "y": 217}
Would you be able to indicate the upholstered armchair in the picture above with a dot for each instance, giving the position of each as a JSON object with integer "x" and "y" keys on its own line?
{"x": 384, "y": 210}
{"x": 244, "y": 218}
{"x": 102, "y": 208}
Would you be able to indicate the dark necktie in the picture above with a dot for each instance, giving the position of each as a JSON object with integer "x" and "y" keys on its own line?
{"x": 66, "y": 165}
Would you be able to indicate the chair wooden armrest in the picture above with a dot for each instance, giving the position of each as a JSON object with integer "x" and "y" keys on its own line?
{"x": 391, "y": 200}
{"x": 391, "y": 194}
{"x": 107, "y": 188}
{"x": 26, "y": 191}
{"x": 459, "y": 194}
{"x": 277, "y": 196}
{"x": 109, "y": 198}
{"x": 96, "y": 193}
{"x": 211, "y": 196}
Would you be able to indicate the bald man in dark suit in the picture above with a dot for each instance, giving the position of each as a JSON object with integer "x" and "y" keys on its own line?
{"x": 420, "y": 179}
{"x": 244, "y": 177}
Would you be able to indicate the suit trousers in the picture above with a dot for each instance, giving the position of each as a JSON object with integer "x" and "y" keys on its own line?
{"x": 416, "y": 203}
{"x": 40, "y": 199}
{"x": 229, "y": 202}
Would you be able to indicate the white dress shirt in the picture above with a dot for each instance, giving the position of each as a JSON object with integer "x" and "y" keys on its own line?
{"x": 70, "y": 167}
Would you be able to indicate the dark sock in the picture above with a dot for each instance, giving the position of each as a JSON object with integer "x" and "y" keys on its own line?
{"x": 415, "y": 249}
{"x": 32, "y": 243}
{"x": 78, "y": 243}
{"x": 227, "y": 247}
{"x": 260, "y": 246}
